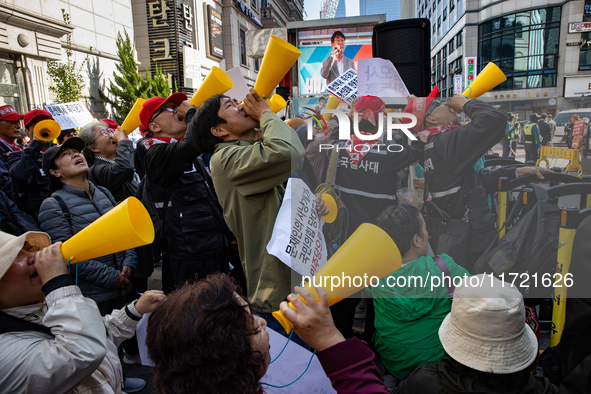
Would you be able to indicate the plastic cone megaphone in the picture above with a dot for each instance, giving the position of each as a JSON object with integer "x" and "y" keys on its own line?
{"x": 332, "y": 207}
{"x": 368, "y": 253}
{"x": 217, "y": 82}
{"x": 47, "y": 130}
{"x": 277, "y": 103}
{"x": 279, "y": 56}
{"x": 132, "y": 120}
{"x": 126, "y": 226}
{"x": 490, "y": 77}
{"x": 332, "y": 103}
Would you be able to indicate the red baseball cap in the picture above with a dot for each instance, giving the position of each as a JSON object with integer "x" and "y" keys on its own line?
{"x": 9, "y": 114}
{"x": 111, "y": 123}
{"x": 153, "y": 104}
{"x": 371, "y": 105}
{"x": 34, "y": 115}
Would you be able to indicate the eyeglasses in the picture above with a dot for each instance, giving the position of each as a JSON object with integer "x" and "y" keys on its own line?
{"x": 107, "y": 132}
{"x": 71, "y": 134}
{"x": 170, "y": 107}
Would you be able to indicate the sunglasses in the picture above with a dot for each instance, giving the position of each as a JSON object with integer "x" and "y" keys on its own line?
{"x": 171, "y": 108}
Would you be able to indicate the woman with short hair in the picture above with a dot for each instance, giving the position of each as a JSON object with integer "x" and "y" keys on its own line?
{"x": 109, "y": 153}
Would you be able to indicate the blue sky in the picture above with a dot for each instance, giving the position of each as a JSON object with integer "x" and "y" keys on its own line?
{"x": 312, "y": 8}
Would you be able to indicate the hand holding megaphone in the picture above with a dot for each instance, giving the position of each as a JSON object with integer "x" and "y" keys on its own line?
{"x": 456, "y": 103}
{"x": 254, "y": 105}
{"x": 311, "y": 318}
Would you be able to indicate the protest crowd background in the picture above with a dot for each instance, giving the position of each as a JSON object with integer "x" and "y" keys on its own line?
{"x": 245, "y": 199}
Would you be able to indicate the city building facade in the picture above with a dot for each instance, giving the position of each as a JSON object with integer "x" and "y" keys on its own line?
{"x": 333, "y": 9}
{"x": 541, "y": 46}
{"x": 276, "y": 13}
{"x": 33, "y": 32}
{"x": 392, "y": 8}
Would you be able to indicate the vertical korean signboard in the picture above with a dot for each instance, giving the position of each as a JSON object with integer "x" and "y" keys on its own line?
{"x": 170, "y": 29}
{"x": 470, "y": 72}
{"x": 457, "y": 84}
{"x": 214, "y": 28}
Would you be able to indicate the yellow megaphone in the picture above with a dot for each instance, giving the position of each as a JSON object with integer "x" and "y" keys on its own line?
{"x": 47, "y": 130}
{"x": 217, "y": 82}
{"x": 332, "y": 207}
{"x": 368, "y": 253}
{"x": 277, "y": 103}
{"x": 132, "y": 120}
{"x": 332, "y": 103}
{"x": 280, "y": 55}
{"x": 490, "y": 77}
{"x": 126, "y": 226}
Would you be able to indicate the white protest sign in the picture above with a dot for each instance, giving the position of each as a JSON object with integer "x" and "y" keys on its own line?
{"x": 292, "y": 362}
{"x": 70, "y": 115}
{"x": 345, "y": 86}
{"x": 297, "y": 238}
{"x": 239, "y": 86}
{"x": 379, "y": 77}
{"x": 141, "y": 331}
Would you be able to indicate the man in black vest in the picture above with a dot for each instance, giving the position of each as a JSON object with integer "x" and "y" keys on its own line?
{"x": 450, "y": 154}
{"x": 545, "y": 130}
{"x": 196, "y": 236}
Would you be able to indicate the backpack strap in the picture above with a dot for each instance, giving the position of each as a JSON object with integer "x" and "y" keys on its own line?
{"x": 64, "y": 208}
{"x": 446, "y": 274}
{"x": 332, "y": 166}
{"x": 10, "y": 323}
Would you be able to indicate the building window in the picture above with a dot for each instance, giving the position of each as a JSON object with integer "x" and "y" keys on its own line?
{"x": 459, "y": 39}
{"x": 444, "y": 13}
{"x": 450, "y": 46}
{"x": 438, "y": 22}
{"x": 243, "y": 59}
{"x": 585, "y": 54}
{"x": 253, "y": 3}
{"x": 263, "y": 3}
{"x": 257, "y": 65}
{"x": 524, "y": 46}
{"x": 451, "y": 4}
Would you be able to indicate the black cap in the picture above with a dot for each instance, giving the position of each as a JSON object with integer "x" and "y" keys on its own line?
{"x": 50, "y": 154}
{"x": 533, "y": 117}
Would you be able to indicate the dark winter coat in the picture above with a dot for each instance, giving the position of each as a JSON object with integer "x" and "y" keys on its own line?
{"x": 97, "y": 276}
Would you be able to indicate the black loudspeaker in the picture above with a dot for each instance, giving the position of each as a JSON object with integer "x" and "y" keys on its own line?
{"x": 283, "y": 91}
{"x": 407, "y": 44}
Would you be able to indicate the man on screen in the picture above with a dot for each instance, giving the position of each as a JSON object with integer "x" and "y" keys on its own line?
{"x": 336, "y": 64}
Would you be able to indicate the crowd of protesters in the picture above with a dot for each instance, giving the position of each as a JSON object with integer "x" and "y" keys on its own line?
{"x": 213, "y": 180}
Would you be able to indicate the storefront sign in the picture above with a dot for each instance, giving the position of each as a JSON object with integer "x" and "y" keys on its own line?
{"x": 214, "y": 26}
{"x": 170, "y": 29}
{"x": 248, "y": 12}
{"x": 579, "y": 27}
{"x": 457, "y": 84}
{"x": 470, "y": 68}
{"x": 577, "y": 86}
{"x": 192, "y": 68}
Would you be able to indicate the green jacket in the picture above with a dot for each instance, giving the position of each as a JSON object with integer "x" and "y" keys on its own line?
{"x": 248, "y": 177}
{"x": 408, "y": 318}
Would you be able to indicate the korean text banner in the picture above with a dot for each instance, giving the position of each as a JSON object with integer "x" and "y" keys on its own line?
{"x": 311, "y": 61}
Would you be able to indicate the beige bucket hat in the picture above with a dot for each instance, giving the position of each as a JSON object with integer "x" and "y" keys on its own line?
{"x": 10, "y": 246}
{"x": 486, "y": 329}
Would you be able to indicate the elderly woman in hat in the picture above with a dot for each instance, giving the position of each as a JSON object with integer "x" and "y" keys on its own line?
{"x": 74, "y": 204}
{"x": 52, "y": 339}
{"x": 491, "y": 348}
{"x": 109, "y": 153}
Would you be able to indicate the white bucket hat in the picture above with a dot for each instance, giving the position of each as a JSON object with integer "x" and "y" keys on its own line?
{"x": 486, "y": 328}
{"x": 10, "y": 246}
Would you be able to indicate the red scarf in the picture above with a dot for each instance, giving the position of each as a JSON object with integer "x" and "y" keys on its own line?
{"x": 425, "y": 134}
{"x": 357, "y": 154}
{"x": 150, "y": 142}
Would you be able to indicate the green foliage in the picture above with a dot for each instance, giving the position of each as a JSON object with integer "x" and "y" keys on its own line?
{"x": 128, "y": 85}
{"x": 158, "y": 84}
{"x": 67, "y": 78}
